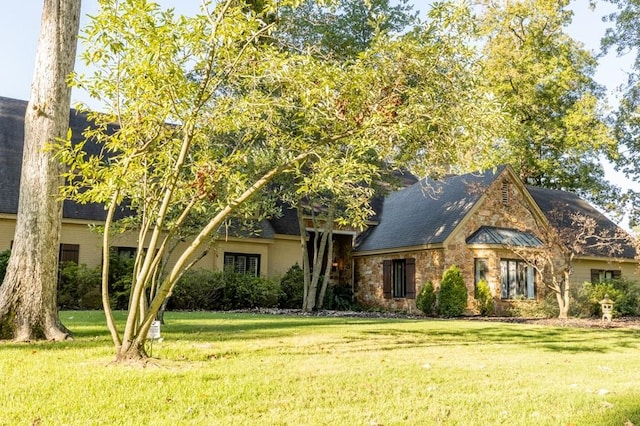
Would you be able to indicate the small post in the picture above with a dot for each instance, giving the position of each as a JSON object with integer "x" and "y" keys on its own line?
{"x": 153, "y": 334}
{"x": 607, "y": 308}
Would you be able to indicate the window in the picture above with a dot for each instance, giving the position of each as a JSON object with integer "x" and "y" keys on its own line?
{"x": 69, "y": 253}
{"x": 399, "y": 278}
{"x": 481, "y": 267}
{"x": 125, "y": 252}
{"x": 516, "y": 280}
{"x": 242, "y": 263}
{"x": 600, "y": 275}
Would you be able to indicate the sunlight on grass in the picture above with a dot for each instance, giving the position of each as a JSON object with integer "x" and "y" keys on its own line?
{"x": 234, "y": 369}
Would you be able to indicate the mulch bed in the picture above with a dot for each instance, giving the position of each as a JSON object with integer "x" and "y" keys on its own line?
{"x": 624, "y": 322}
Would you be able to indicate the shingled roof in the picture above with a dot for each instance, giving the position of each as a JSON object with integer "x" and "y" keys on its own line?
{"x": 12, "y": 113}
{"x": 560, "y": 207}
{"x": 412, "y": 217}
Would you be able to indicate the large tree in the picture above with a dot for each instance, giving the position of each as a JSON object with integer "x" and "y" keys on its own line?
{"x": 28, "y": 308}
{"x": 624, "y": 37}
{"x": 210, "y": 112}
{"x": 558, "y": 136}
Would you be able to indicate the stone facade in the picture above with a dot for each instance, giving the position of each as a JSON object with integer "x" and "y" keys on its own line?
{"x": 503, "y": 205}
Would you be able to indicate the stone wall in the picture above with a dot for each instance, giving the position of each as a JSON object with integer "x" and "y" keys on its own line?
{"x": 502, "y": 206}
{"x": 369, "y": 280}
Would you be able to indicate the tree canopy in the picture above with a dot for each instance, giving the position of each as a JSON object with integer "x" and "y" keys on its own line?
{"x": 210, "y": 109}
{"x": 557, "y": 135}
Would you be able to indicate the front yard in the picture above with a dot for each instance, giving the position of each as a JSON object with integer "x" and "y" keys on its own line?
{"x": 235, "y": 369}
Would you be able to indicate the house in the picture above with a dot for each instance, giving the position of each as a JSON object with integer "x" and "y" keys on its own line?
{"x": 481, "y": 223}
{"x": 270, "y": 252}
{"x": 473, "y": 221}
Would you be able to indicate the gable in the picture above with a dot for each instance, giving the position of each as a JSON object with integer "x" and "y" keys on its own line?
{"x": 426, "y": 212}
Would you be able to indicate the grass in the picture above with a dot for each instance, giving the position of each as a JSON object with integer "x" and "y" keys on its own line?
{"x": 243, "y": 369}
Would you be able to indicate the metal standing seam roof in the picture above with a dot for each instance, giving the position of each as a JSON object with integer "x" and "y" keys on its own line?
{"x": 503, "y": 236}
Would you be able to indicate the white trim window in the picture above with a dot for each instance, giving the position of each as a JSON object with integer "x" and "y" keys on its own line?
{"x": 517, "y": 280}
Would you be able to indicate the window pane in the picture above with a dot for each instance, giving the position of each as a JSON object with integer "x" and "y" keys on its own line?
{"x": 531, "y": 282}
{"x": 504, "y": 279}
{"x": 399, "y": 278}
{"x": 242, "y": 263}
{"x": 512, "y": 277}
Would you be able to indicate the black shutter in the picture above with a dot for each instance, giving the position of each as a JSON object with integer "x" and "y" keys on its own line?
{"x": 595, "y": 276}
{"x": 410, "y": 274}
{"x": 386, "y": 278}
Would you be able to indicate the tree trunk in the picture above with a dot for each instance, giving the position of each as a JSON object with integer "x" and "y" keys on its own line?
{"x": 132, "y": 351}
{"x": 563, "y": 296}
{"x": 28, "y": 308}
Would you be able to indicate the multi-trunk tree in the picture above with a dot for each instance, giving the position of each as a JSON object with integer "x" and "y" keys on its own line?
{"x": 28, "y": 308}
{"x": 564, "y": 235}
{"x": 210, "y": 113}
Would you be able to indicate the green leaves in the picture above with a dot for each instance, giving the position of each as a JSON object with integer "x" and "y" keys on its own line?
{"x": 557, "y": 134}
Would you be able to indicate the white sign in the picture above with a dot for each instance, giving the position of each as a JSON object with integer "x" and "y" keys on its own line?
{"x": 154, "y": 330}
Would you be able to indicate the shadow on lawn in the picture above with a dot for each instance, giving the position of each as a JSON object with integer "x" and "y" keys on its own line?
{"x": 393, "y": 334}
{"x": 354, "y": 334}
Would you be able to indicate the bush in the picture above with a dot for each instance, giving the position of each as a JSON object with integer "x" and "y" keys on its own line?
{"x": 338, "y": 297}
{"x": 4, "y": 260}
{"x": 120, "y": 274}
{"x": 198, "y": 289}
{"x": 526, "y": 308}
{"x": 426, "y": 299}
{"x": 292, "y": 288}
{"x": 207, "y": 290}
{"x": 624, "y": 293}
{"x": 484, "y": 298}
{"x": 79, "y": 287}
{"x": 453, "y": 293}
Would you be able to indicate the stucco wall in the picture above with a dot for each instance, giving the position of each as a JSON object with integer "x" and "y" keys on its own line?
{"x": 582, "y": 269}
{"x": 276, "y": 256}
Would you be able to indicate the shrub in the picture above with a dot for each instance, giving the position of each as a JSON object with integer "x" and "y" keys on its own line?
{"x": 198, "y": 289}
{"x": 338, "y": 297}
{"x": 484, "y": 298}
{"x": 624, "y": 293}
{"x": 120, "y": 274}
{"x": 453, "y": 293}
{"x": 292, "y": 288}
{"x": 207, "y": 290}
{"x": 426, "y": 299}
{"x": 4, "y": 260}
{"x": 526, "y": 308}
{"x": 79, "y": 287}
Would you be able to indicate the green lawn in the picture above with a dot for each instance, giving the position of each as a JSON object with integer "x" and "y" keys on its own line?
{"x": 242, "y": 369}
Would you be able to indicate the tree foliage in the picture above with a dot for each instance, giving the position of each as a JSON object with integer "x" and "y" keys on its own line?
{"x": 557, "y": 135}
{"x": 624, "y": 37}
{"x": 209, "y": 111}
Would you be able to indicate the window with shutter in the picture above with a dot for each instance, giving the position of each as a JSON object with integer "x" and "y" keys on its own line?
{"x": 386, "y": 279}
{"x": 399, "y": 278}
{"x": 601, "y": 275}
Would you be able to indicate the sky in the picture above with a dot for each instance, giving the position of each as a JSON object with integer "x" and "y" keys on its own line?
{"x": 20, "y": 22}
